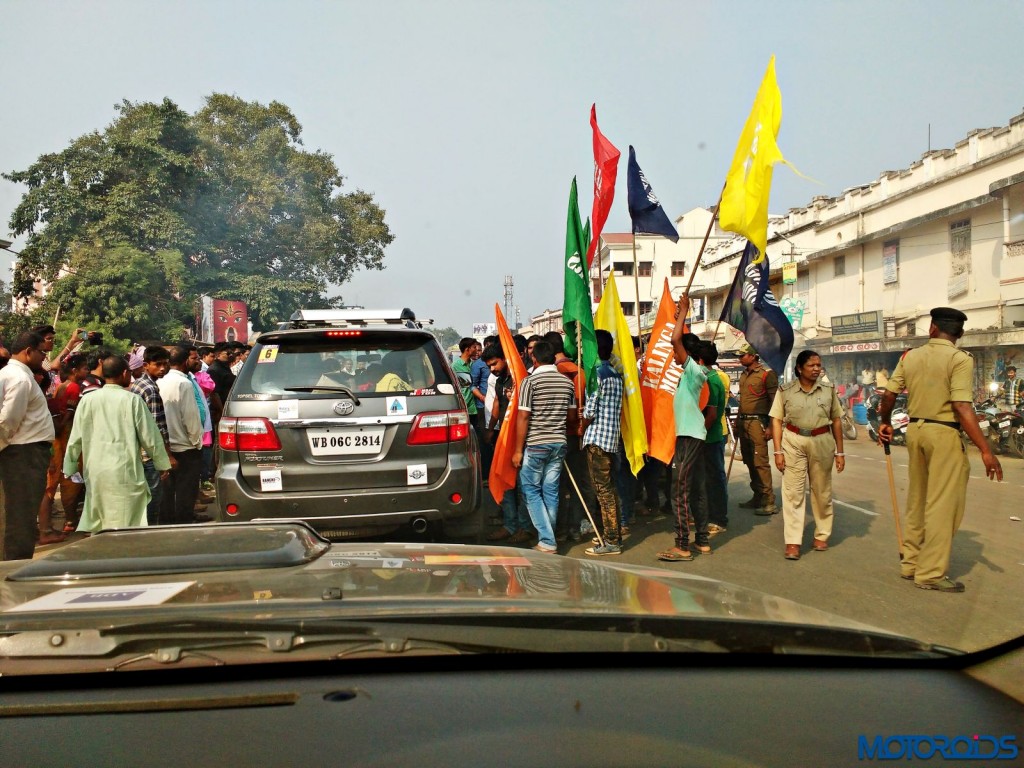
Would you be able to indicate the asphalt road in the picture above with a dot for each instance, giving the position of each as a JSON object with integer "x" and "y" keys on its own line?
{"x": 858, "y": 577}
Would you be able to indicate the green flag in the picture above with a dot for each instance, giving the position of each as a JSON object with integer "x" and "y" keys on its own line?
{"x": 577, "y": 315}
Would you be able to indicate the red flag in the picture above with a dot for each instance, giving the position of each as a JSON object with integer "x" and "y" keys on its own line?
{"x": 503, "y": 474}
{"x": 658, "y": 382}
{"x": 606, "y": 167}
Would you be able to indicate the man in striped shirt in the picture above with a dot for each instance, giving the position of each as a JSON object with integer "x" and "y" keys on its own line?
{"x": 546, "y": 398}
{"x": 601, "y": 418}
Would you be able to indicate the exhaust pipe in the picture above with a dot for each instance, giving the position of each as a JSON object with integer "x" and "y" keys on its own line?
{"x": 419, "y": 525}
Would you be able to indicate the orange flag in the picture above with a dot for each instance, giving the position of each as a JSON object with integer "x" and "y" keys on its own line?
{"x": 658, "y": 382}
{"x": 503, "y": 474}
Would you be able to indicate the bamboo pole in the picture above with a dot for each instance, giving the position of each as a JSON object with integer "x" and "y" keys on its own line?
{"x": 636, "y": 285}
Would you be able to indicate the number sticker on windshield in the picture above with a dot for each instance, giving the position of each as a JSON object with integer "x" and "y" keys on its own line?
{"x": 268, "y": 354}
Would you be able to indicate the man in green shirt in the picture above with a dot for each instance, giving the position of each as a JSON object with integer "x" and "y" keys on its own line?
{"x": 463, "y": 367}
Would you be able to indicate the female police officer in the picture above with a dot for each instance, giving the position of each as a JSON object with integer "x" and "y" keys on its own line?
{"x": 804, "y": 414}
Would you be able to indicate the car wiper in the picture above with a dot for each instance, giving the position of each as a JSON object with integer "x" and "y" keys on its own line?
{"x": 168, "y": 642}
{"x": 326, "y": 388}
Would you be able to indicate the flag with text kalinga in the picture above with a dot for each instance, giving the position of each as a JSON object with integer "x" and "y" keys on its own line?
{"x": 503, "y": 474}
{"x": 658, "y": 381}
{"x": 577, "y": 310}
{"x": 606, "y": 168}
{"x": 610, "y": 318}
{"x": 751, "y": 308}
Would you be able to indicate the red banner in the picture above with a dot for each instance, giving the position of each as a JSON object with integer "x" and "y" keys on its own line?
{"x": 230, "y": 321}
{"x": 606, "y": 167}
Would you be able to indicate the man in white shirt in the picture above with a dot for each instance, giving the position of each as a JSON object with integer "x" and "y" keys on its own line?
{"x": 185, "y": 433}
{"x": 26, "y": 438}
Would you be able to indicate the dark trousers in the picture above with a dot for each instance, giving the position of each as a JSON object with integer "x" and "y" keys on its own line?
{"x": 626, "y": 485}
{"x": 603, "y": 467}
{"x": 571, "y": 509}
{"x": 689, "y": 497}
{"x": 182, "y": 489}
{"x": 715, "y": 481}
{"x": 486, "y": 449}
{"x": 23, "y": 477}
{"x": 156, "y": 492}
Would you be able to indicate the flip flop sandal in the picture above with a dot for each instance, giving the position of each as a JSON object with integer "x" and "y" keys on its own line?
{"x": 704, "y": 550}
{"x": 675, "y": 556}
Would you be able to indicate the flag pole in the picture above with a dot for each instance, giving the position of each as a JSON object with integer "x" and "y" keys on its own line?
{"x": 636, "y": 284}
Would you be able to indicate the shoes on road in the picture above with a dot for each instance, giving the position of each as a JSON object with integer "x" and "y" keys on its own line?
{"x": 715, "y": 529}
{"x": 520, "y": 537}
{"x": 499, "y": 535}
{"x": 607, "y": 549}
{"x": 942, "y": 585}
{"x": 820, "y": 545}
{"x": 545, "y": 550}
{"x": 767, "y": 510}
{"x": 753, "y": 503}
{"x": 792, "y": 551}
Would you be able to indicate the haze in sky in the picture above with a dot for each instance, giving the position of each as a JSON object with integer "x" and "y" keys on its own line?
{"x": 468, "y": 120}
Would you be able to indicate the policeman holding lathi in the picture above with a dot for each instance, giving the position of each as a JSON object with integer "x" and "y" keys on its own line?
{"x": 939, "y": 380}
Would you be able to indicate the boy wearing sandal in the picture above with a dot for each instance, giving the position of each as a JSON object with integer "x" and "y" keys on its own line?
{"x": 689, "y": 498}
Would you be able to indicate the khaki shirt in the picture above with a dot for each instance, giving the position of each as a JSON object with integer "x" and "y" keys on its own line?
{"x": 935, "y": 376}
{"x": 806, "y": 410}
{"x": 757, "y": 390}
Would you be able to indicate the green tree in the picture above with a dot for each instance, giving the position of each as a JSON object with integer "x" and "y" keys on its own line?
{"x": 446, "y": 337}
{"x": 163, "y": 206}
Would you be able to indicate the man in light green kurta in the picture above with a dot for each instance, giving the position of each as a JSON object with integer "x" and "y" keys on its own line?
{"x": 111, "y": 426}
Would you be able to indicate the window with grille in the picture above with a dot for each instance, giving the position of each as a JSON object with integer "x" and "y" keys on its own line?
{"x": 628, "y": 308}
{"x": 960, "y": 246}
{"x": 624, "y": 268}
{"x": 839, "y": 266}
{"x": 678, "y": 269}
{"x": 646, "y": 306}
{"x": 646, "y": 268}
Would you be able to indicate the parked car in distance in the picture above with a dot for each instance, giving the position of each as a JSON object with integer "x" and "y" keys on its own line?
{"x": 352, "y": 421}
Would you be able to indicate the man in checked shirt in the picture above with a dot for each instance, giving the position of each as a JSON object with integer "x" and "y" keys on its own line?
{"x": 601, "y": 418}
{"x": 154, "y": 366}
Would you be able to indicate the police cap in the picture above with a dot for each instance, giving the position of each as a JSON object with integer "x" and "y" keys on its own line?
{"x": 746, "y": 349}
{"x": 948, "y": 313}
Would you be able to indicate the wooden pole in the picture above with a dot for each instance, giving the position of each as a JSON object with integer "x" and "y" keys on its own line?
{"x": 636, "y": 285}
{"x": 703, "y": 245}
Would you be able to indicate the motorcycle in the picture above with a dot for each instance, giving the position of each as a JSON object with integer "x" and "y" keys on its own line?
{"x": 899, "y": 418}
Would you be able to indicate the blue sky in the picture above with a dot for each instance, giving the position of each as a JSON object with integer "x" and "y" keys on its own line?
{"x": 468, "y": 120}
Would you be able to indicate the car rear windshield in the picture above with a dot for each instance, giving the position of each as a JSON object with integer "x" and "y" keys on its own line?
{"x": 368, "y": 364}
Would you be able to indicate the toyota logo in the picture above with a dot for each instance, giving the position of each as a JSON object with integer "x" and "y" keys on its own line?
{"x": 344, "y": 407}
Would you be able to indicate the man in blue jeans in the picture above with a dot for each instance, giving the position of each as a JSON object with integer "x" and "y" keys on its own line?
{"x": 546, "y": 399}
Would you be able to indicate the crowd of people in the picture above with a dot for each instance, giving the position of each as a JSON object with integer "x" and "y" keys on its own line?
{"x": 569, "y": 451}
{"x": 126, "y": 440}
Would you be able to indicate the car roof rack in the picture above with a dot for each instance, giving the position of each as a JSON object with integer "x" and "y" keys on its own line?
{"x": 353, "y": 316}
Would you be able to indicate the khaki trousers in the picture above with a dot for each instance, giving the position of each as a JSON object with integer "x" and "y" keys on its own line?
{"x": 807, "y": 459}
{"x": 935, "y": 499}
{"x": 754, "y": 445}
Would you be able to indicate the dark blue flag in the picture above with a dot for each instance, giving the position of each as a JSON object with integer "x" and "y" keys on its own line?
{"x": 751, "y": 308}
{"x": 644, "y": 209}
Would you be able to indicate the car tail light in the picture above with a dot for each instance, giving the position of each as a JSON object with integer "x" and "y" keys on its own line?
{"x": 342, "y": 334}
{"x": 248, "y": 434}
{"x": 439, "y": 427}
{"x": 231, "y": 509}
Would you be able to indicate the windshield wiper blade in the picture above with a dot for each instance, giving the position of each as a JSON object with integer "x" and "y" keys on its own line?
{"x": 326, "y": 388}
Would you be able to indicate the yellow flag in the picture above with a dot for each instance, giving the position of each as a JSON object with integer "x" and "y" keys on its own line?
{"x": 634, "y": 431}
{"x": 744, "y": 208}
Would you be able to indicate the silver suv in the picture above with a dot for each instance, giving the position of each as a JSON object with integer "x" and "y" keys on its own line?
{"x": 353, "y": 421}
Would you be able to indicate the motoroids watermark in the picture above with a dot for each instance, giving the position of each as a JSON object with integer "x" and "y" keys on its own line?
{"x": 916, "y": 746}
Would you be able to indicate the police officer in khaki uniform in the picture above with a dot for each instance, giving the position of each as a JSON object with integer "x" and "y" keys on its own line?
{"x": 806, "y": 422}
{"x": 758, "y": 386}
{"x": 939, "y": 380}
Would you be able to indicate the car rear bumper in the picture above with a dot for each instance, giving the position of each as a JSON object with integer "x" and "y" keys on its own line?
{"x": 366, "y": 509}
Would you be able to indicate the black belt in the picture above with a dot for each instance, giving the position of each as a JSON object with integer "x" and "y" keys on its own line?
{"x": 953, "y": 424}
{"x": 809, "y": 432}
{"x": 753, "y": 415}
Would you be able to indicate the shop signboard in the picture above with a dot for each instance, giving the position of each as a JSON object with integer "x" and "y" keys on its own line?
{"x": 864, "y": 346}
{"x": 860, "y": 326}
